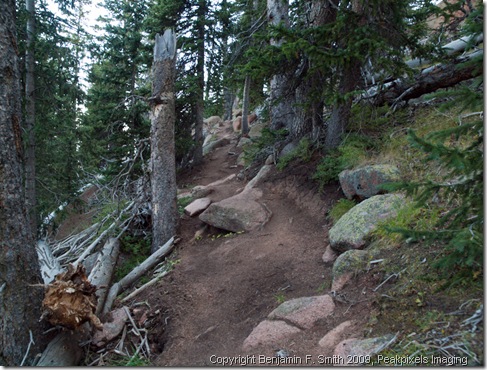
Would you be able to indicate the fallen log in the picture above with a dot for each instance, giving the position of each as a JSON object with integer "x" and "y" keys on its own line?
{"x": 136, "y": 274}
{"x": 102, "y": 273}
{"x": 428, "y": 81}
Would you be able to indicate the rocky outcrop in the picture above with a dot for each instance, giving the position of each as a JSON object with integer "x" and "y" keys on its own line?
{"x": 354, "y": 227}
{"x": 365, "y": 182}
{"x": 241, "y": 212}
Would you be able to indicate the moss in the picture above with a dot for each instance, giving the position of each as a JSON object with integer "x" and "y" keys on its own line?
{"x": 340, "y": 208}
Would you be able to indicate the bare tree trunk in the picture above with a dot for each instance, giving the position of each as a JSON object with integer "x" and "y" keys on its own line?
{"x": 245, "y": 106}
{"x": 20, "y": 300}
{"x": 280, "y": 95}
{"x": 30, "y": 117}
{"x": 200, "y": 71}
{"x": 163, "y": 162}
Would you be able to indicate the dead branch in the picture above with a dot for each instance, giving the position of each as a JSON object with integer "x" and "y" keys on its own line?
{"x": 137, "y": 273}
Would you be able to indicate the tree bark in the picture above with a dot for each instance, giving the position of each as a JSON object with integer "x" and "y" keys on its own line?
{"x": 281, "y": 98}
{"x": 245, "y": 106}
{"x": 20, "y": 299}
{"x": 163, "y": 163}
{"x": 30, "y": 117}
{"x": 200, "y": 72}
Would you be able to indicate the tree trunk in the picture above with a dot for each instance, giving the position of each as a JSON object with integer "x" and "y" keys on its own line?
{"x": 200, "y": 72}
{"x": 30, "y": 117}
{"x": 20, "y": 300}
{"x": 245, "y": 106}
{"x": 163, "y": 163}
{"x": 282, "y": 99}
{"x": 340, "y": 115}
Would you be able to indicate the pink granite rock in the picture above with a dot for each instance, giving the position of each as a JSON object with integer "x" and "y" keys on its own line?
{"x": 304, "y": 312}
{"x": 197, "y": 206}
{"x": 269, "y": 332}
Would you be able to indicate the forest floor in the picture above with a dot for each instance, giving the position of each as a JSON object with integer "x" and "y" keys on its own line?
{"x": 225, "y": 284}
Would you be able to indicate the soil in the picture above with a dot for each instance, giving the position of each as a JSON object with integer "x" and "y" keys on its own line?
{"x": 225, "y": 284}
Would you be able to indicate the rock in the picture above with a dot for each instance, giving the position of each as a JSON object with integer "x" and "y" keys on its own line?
{"x": 269, "y": 333}
{"x": 201, "y": 191}
{"x": 330, "y": 255}
{"x": 270, "y": 159}
{"x": 184, "y": 195}
{"x": 197, "y": 206}
{"x": 213, "y": 120}
{"x": 209, "y": 138}
{"x": 359, "y": 348}
{"x": 251, "y": 118}
{"x": 336, "y": 335}
{"x": 244, "y": 141}
{"x": 222, "y": 181}
{"x": 256, "y": 130}
{"x": 288, "y": 148}
{"x": 111, "y": 329}
{"x": 364, "y": 182}
{"x": 349, "y": 264}
{"x": 263, "y": 172}
{"x": 215, "y": 144}
{"x": 304, "y": 312}
{"x": 237, "y": 124}
{"x": 241, "y": 159}
{"x": 241, "y": 212}
{"x": 353, "y": 228}
{"x": 237, "y": 112}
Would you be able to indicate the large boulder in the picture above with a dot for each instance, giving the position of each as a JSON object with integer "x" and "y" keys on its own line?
{"x": 354, "y": 227}
{"x": 365, "y": 182}
{"x": 256, "y": 130}
{"x": 241, "y": 212}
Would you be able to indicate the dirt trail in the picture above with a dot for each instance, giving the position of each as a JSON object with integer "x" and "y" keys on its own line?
{"x": 225, "y": 284}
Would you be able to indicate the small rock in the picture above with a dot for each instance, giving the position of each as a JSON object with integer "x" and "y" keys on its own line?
{"x": 243, "y": 142}
{"x": 304, "y": 312}
{"x": 359, "y": 348}
{"x": 336, "y": 335}
{"x": 259, "y": 177}
{"x": 270, "y": 159}
{"x": 269, "y": 332}
{"x": 330, "y": 255}
{"x": 200, "y": 191}
{"x": 197, "y": 206}
{"x": 241, "y": 212}
{"x": 365, "y": 182}
{"x": 237, "y": 124}
{"x": 256, "y": 130}
{"x": 348, "y": 264}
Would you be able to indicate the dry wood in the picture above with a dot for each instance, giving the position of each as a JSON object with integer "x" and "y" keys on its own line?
{"x": 428, "y": 81}
{"x": 102, "y": 273}
{"x": 64, "y": 349}
{"x": 49, "y": 264}
{"x": 137, "y": 273}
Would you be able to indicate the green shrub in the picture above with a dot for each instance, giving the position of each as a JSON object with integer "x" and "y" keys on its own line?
{"x": 137, "y": 250}
{"x": 351, "y": 152}
{"x": 183, "y": 202}
{"x": 340, "y": 208}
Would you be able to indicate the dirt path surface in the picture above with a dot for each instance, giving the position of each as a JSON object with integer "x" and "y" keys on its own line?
{"x": 225, "y": 284}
